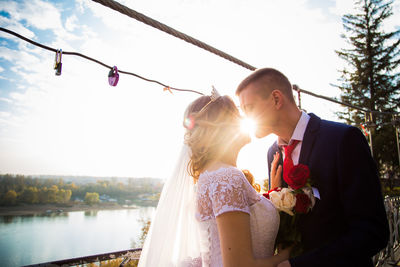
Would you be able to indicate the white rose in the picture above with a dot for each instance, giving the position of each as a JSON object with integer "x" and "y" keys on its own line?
{"x": 288, "y": 199}
{"x": 276, "y": 199}
{"x": 283, "y": 200}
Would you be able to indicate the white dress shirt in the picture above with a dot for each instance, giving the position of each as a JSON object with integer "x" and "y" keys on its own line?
{"x": 298, "y": 134}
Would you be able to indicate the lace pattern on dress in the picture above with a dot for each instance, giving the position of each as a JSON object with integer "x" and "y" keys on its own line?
{"x": 227, "y": 189}
{"x": 191, "y": 262}
{"x": 223, "y": 190}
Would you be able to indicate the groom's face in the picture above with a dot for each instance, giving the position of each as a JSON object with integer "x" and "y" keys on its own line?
{"x": 258, "y": 108}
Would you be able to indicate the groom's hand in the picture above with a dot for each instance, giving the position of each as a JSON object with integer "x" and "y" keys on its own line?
{"x": 276, "y": 172}
{"x": 284, "y": 264}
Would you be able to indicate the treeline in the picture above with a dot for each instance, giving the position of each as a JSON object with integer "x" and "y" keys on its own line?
{"x": 15, "y": 189}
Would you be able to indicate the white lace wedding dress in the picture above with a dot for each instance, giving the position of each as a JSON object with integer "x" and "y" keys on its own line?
{"x": 224, "y": 190}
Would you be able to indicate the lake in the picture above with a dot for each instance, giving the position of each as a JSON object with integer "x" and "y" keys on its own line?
{"x": 41, "y": 238}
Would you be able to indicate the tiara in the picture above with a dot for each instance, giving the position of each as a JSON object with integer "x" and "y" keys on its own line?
{"x": 189, "y": 122}
{"x": 214, "y": 96}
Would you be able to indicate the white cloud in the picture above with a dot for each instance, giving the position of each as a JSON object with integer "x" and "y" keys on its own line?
{"x": 23, "y": 61}
{"x": 71, "y": 23}
{"x": 7, "y": 78}
{"x": 343, "y": 7}
{"x": 80, "y": 5}
{"x": 4, "y": 114}
{"x": 16, "y": 96}
{"x": 5, "y": 100}
{"x": 8, "y": 54}
{"x": 15, "y": 27}
{"x": 393, "y": 22}
{"x": 39, "y": 14}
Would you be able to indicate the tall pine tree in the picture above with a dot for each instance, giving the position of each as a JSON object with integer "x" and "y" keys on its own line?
{"x": 371, "y": 78}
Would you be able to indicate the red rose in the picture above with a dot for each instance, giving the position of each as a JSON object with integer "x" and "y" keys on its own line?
{"x": 297, "y": 176}
{"x": 277, "y": 189}
{"x": 303, "y": 203}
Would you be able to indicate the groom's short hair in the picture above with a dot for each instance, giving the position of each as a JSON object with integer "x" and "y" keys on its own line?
{"x": 272, "y": 79}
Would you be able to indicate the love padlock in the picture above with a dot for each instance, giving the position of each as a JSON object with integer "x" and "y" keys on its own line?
{"x": 59, "y": 69}
{"x": 113, "y": 76}
{"x": 58, "y": 63}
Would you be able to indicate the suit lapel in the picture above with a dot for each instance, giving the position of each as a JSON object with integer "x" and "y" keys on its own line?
{"x": 309, "y": 138}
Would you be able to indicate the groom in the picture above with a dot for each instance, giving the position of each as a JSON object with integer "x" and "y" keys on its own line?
{"x": 348, "y": 225}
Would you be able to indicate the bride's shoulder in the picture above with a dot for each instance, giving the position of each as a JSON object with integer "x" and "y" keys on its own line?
{"x": 226, "y": 173}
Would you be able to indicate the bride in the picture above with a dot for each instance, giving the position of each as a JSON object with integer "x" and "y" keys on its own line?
{"x": 208, "y": 213}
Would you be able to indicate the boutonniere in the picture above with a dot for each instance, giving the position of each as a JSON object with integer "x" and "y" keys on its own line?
{"x": 298, "y": 199}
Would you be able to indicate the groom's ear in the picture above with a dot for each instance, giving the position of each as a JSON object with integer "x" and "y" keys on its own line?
{"x": 277, "y": 98}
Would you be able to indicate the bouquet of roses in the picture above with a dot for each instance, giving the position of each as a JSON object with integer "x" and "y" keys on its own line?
{"x": 292, "y": 202}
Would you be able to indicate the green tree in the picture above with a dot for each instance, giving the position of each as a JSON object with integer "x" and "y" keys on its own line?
{"x": 52, "y": 194}
{"x": 30, "y": 195}
{"x": 64, "y": 196}
{"x": 371, "y": 78}
{"x": 92, "y": 198}
{"x": 43, "y": 195}
{"x": 10, "y": 198}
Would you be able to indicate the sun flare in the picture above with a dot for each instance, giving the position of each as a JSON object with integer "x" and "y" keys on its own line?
{"x": 248, "y": 125}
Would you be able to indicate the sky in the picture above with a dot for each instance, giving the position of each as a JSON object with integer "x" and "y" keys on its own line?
{"x": 77, "y": 124}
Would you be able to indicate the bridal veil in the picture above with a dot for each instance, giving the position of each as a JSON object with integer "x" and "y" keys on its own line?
{"x": 173, "y": 237}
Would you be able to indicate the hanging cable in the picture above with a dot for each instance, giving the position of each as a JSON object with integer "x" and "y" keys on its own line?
{"x": 162, "y": 27}
{"x": 94, "y": 60}
{"x": 169, "y": 88}
{"x": 298, "y": 89}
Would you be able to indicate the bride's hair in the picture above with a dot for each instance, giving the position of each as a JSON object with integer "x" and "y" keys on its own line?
{"x": 211, "y": 128}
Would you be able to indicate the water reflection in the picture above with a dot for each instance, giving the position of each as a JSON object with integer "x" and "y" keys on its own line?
{"x": 41, "y": 238}
{"x": 46, "y": 215}
{"x": 26, "y": 218}
{"x": 7, "y": 219}
{"x": 91, "y": 213}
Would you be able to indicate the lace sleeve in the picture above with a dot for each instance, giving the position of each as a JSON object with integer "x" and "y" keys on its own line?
{"x": 227, "y": 193}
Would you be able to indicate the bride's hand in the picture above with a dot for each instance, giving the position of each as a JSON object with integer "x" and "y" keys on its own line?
{"x": 276, "y": 172}
{"x": 285, "y": 263}
{"x": 283, "y": 255}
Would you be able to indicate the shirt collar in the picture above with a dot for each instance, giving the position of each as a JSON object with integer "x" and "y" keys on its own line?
{"x": 298, "y": 133}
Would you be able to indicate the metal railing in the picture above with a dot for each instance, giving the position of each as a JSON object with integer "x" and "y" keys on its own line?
{"x": 390, "y": 255}
{"x": 126, "y": 255}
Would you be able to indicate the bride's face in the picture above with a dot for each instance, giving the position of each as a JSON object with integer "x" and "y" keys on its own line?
{"x": 238, "y": 137}
{"x": 217, "y": 128}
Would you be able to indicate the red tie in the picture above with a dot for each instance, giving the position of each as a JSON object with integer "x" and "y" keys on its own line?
{"x": 288, "y": 162}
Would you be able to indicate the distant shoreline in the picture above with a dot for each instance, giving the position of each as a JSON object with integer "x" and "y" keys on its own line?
{"x": 35, "y": 209}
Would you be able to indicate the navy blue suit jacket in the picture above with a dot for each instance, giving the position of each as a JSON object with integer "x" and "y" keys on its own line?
{"x": 348, "y": 225}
